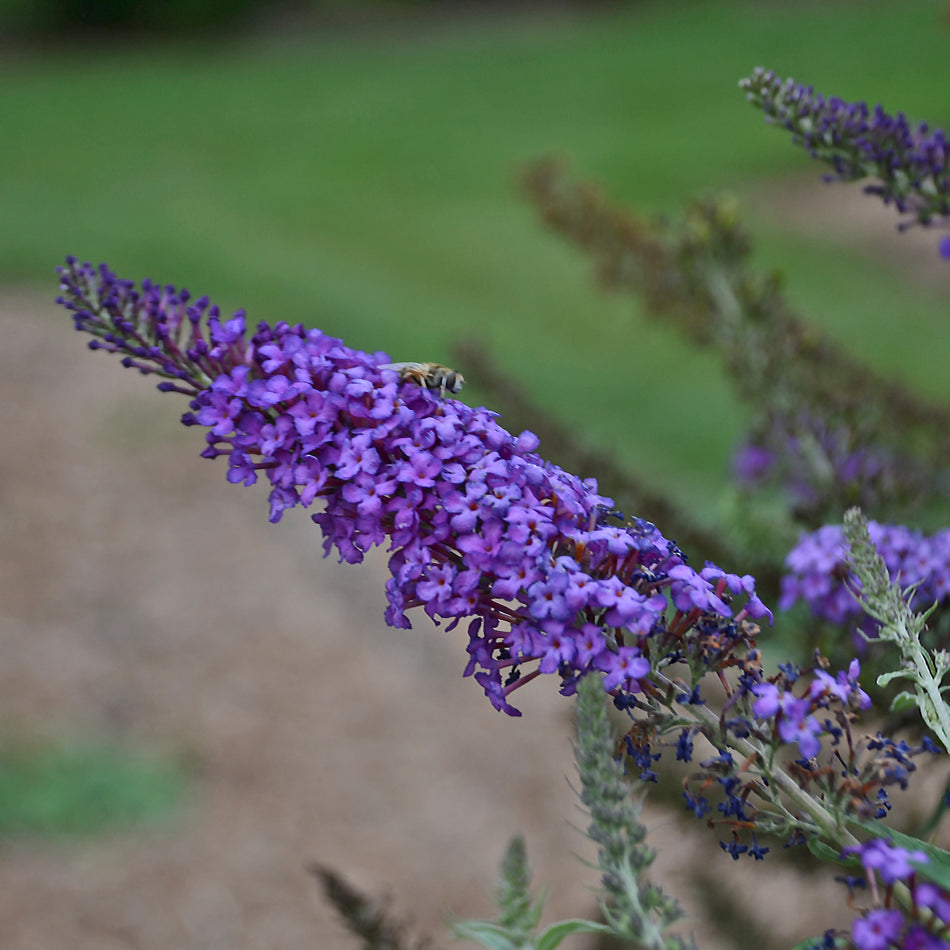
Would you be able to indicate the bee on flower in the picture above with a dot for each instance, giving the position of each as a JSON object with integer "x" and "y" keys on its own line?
{"x": 433, "y": 376}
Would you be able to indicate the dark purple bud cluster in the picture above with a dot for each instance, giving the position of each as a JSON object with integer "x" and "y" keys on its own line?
{"x": 480, "y": 527}
{"x": 910, "y": 164}
{"x": 818, "y": 574}
{"x": 773, "y": 734}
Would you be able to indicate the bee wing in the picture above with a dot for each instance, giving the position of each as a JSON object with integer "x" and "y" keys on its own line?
{"x": 402, "y": 367}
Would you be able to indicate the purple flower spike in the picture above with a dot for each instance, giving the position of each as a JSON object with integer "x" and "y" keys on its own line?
{"x": 479, "y": 526}
{"x": 910, "y": 165}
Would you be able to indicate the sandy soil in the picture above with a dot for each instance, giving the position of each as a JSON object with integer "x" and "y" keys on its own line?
{"x": 145, "y": 599}
{"x": 805, "y": 204}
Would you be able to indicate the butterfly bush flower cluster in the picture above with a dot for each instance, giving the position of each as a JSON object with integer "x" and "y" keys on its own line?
{"x": 910, "y": 164}
{"x": 483, "y": 530}
{"x": 817, "y": 571}
{"x": 548, "y": 579}
{"x": 480, "y": 527}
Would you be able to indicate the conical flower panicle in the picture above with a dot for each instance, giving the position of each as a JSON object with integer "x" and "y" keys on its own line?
{"x": 910, "y": 164}
{"x": 480, "y": 527}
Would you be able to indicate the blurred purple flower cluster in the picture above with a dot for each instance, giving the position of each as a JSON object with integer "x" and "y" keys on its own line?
{"x": 480, "y": 527}
{"x": 823, "y": 466}
{"x": 817, "y": 572}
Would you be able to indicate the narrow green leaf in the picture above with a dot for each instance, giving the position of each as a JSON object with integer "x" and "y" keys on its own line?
{"x": 825, "y": 852}
{"x": 553, "y": 936}
{"x": 487, "y": 934}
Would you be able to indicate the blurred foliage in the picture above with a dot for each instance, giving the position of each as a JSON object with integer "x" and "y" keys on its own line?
{"x": 51, "y": 788}
{"x": 371, "y": 920}
{"x": 36, "y": 18}
{"x": 835, "y": 432}
{"x": 51, "y": 18}
{"x": 695, "y": 275}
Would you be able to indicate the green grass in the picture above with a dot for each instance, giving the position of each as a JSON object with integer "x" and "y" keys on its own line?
{"x": 84, "y": 788}
{"x": 364, "y": 184}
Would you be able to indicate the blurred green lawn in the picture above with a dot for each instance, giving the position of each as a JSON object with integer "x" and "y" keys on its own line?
{"x": 365, "y": 184}
{"x": 83, "y": 788}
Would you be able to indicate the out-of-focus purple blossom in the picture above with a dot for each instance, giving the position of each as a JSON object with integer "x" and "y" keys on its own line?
{"x": 844, "y": 687}
{"x": 769, "y": 700}
{"x": 909, "y": 164}
{"x": 877, "y": 929}
{"x": 751, "y": 463}
{"x": 479, "y": 526}
{"x": 801, "y": 729}
{"x": 880, "y": 928}
{"x": 917, "y": 937}
{"x": 933, "y": 898}
{"x": 817, "y": 572}
{"x": 794, "y": 722}
{"x": 890, "y": 862}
